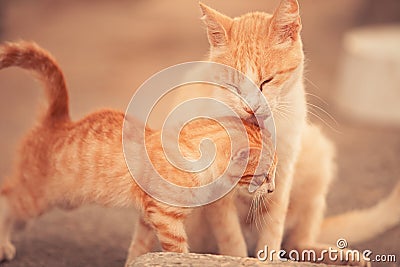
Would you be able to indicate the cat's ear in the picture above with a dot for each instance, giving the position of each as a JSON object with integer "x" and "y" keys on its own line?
{"x": 218, "y": 26}
{"x": 244, "y": 155}
{"x": 241, "y": 156}
{"x": 285, "y": 23}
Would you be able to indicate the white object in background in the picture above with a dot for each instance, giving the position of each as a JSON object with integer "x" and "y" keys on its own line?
{"x": 369, "y": 82}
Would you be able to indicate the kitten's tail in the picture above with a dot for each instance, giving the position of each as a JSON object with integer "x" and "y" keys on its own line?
{"x": 361, "y": 225}
{"x": 30, "y": 56}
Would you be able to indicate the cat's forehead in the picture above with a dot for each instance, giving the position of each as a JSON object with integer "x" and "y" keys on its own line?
{"x": 249, "y": 43}
{"x": 250, "y": 25}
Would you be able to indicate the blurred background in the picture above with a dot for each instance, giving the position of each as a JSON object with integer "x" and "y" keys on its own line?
{"x": 108, "y": 48}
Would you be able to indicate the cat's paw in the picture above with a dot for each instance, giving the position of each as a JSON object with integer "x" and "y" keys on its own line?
{"x": 7, "y": 252}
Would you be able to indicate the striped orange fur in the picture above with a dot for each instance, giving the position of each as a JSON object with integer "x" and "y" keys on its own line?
{"x": 64, "y": 163}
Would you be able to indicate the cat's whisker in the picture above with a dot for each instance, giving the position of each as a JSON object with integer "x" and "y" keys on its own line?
{"x": 323, "y": 121}
{"x": 325, "y": 112}
{"x": 283, "y": 106}
{"x": 253, "y": 213}
{"x": 249, "y": 214}
{"x": 260, "y": 211}
{"x": 283, "y": 113}
{"x": 260, "y": 219}
{"x": 270, "y": 201}
{"x": 269, "y": 215}
{"x": 257, "y": 217}
{"x": 286, "y": 102}
{"x": 315, "y": 86}
{"x": 318, "y": 97}
{"x": 263, "y": 211}
{"x": 311, "y": 82}
{"x": 265, "y": 198}
{"x": 254, "y": 209}
{"x": 282, "y": 109}
{"x": 284, "y": 118}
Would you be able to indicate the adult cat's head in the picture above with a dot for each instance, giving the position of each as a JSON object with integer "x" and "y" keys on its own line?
{"x": 265, "y": 47}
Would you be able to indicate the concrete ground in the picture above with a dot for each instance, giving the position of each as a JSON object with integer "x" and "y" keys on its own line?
{"x": 108, "y": 48}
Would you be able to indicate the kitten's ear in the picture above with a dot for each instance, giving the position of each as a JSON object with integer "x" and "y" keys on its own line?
{"x": 285, "y": 24}
{"x": 241, "y": 156}
{"x": 218, "y": 26}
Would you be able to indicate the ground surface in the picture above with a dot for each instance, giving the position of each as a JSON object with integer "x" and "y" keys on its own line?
{"x": 107, "y": 49}
{"x": 167, "y": 259}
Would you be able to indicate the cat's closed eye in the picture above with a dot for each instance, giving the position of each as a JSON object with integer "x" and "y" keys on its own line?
{"x": 234, "y": 87}
{"x": 265, "y": 82}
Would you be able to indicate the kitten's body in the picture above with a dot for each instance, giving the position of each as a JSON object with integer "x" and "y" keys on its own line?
{"x": 65, "y": 164}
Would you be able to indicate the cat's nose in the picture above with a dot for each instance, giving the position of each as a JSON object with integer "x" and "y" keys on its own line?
{"x": 271, "y": 187}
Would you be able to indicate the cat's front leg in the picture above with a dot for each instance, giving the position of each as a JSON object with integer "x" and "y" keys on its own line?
{"x": 224, "y": 221}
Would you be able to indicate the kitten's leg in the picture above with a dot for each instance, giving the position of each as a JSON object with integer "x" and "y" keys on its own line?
{"x": 143, "y": 241}
{"x": 168, "y": 223}
{"x": 7, "y": 250}
{"x": 224, "y": 222}
{"x": 17, "y": 206}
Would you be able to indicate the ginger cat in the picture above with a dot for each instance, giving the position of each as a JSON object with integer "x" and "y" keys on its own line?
{"x": 269, "y": 50}
{"x": 66, "y": 164}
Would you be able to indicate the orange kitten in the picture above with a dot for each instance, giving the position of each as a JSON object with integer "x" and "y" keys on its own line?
{"x": 65, "y": 164}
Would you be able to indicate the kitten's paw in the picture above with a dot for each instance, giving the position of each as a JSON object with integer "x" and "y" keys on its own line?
{"x": 7, "y": 252}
